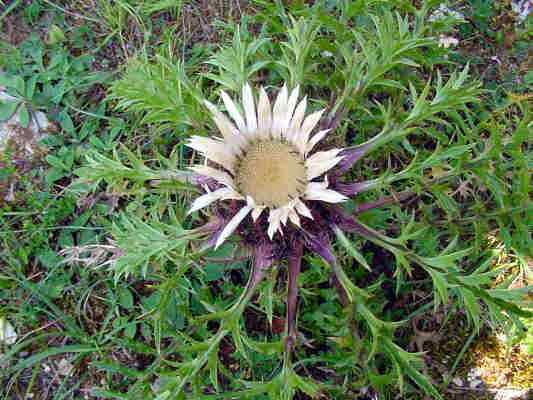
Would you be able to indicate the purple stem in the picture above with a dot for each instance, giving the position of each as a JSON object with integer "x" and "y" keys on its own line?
{"x": 355, "y": 153}
{"x": 351, "y": 156}
{"x": 321, "y": 246}
{"x": 348, "y": 224}
{"x": 262, "y": 260}
{"x": 351, "y": 225}
{"x": 201, "y": 180}
{"x": 216, "y": 227}
{"x": 295, "y": 262}
{"x": 332, "y": 120}
{"x": 395, "y": 198}
{"x": 351, "y": 189}
{"x": 356, "y": 227}
{"x": 340, "y": 290}
{"x": 264, "y": 255}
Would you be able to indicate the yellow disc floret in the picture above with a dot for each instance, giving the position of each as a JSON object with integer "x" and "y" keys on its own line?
{"x": 272, "y": 172}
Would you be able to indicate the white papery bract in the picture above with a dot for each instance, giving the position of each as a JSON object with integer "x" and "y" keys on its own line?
{"x": 265, "y": 159}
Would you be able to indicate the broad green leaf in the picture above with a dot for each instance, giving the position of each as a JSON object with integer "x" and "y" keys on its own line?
{"x": 55, "y": 35}
{"x": 125, "y": 298}
{"x": 7, "y": 109}
{"x": 18, "y": 84}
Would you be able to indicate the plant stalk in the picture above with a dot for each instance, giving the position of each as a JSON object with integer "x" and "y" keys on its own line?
{"x": 295, "y": 262}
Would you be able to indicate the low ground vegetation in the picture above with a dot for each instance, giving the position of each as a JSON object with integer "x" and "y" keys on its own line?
{"x": 107, "y": 291}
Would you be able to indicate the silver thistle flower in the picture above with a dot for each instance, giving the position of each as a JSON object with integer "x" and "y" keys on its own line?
{"x": 266, "y": 161}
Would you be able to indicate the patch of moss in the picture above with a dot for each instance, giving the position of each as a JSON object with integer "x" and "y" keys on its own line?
{"x": 500, "y": 366}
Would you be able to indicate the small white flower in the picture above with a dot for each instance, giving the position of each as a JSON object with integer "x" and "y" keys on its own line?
{"x": 264, "y": 160}
{"x": 447, "y": 41}
{"x": 7, "y": 332}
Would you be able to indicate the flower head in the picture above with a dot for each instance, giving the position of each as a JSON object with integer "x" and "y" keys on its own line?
{"x": 265, "y": 161}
